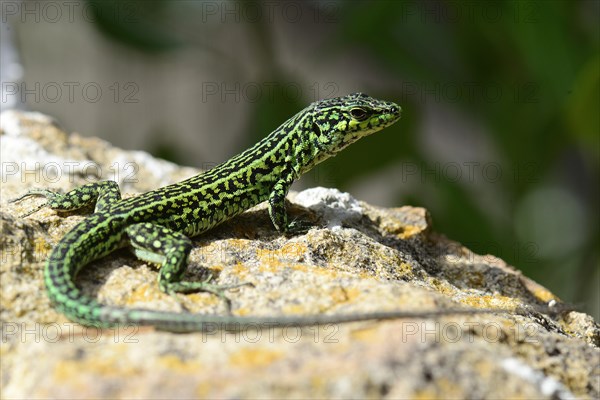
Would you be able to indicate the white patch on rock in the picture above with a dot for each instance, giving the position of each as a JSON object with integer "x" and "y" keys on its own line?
{"x": 547, "y": 385}
{"x": 22, "y": 155}
{"x": 334, "y": 206}
{"x": 10, "y": 121}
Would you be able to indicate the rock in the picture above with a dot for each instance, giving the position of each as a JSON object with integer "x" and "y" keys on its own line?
{"x": 358, "y": 258}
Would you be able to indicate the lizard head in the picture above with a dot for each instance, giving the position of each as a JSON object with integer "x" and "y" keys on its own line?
{"x": 340, "y": 121}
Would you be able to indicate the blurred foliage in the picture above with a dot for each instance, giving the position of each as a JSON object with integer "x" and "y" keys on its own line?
{"x": 547, "y": 129}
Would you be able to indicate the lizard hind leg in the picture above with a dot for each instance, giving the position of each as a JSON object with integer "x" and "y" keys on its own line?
{"x": 102, "y": 193}
{"x": 170, "y": 249}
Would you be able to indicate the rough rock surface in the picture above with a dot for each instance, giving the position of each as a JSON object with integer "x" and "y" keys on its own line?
{"x": 358, "y": 258}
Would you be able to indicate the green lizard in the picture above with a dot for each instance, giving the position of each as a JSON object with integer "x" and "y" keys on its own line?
{"x": 158, "y": 224}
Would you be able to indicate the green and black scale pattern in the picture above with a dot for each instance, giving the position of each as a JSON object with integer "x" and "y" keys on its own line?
{"x": 158, "y": 224}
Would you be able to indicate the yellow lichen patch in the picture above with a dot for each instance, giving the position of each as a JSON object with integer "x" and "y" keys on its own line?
{"x": 303, "y": 267}
{"x": 204, "y": 298}
{"x": 318, "y": 382}
{"x": 544, "y": 295}
{"x": 512, "y": 330}
{"x": 242, "y": 311}
{"x": 314, "y": 270}
{"x": 272, "y": 266}
{"x": 293, "y": 250}
{"x": 240, "y": 244}
{"x": 409, "y": 230}
{"x": 254, "y": 357}
{"x": 444, "y": 389}
{"x": 41, "y": 248}
{"x": 290, "y": 251}
{"x": 336, "y": 295}
{"x": 217, "y": 267}
{"x": 368, "y": 335}
{"x": 141, "y": 293}
{"x": 240, "y": 270}
{"x": 110, "y": 364}
{"x": 364, "y": 275}
{"x": 485, "y": 369}
{"x": 405, "y": 269}
{"x": 204, "y": 388}
{"x": 295, "y": 309}
{"x": 441, "y": 286}
{"x": 65, "y": 370}
{"x": 340, "y": 295}
{"x": 174, "y": 363}
{"x": 487, "y": 301}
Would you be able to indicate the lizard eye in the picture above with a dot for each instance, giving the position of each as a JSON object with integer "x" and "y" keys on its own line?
{"x": 359, "y": 114}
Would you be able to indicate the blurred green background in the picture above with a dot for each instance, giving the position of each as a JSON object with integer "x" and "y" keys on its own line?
{"x": 499, "y": 137}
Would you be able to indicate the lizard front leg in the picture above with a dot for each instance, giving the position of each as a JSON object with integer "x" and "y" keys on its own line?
{"x": 170, "y": 249}
{"x": 277, "y": 209}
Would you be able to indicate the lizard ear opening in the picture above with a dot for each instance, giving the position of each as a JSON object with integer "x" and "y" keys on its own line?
{"x": 321, "y": 127}
{"x": 320, "y": 140}
{"x": 316, "y": 128}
